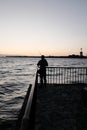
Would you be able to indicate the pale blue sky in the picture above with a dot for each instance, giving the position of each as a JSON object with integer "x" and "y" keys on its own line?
{"x": 49, "y": 27}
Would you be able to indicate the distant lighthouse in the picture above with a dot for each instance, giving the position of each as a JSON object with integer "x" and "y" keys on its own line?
{"x": 81, "y": 53}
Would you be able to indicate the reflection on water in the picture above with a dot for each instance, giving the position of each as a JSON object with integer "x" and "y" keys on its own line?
{"x": 15, "y": 77}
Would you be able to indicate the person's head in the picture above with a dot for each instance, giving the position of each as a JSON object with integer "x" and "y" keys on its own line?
{"x": 42, "y": 57}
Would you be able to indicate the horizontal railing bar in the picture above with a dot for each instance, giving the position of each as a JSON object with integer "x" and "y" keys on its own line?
{"x": 26, "y": 117}
{"x": 66, "y": 67}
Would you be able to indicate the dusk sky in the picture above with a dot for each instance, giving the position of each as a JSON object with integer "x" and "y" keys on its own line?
{"x": 49, "y": 27}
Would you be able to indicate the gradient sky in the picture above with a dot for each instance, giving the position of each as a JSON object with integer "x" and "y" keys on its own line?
{"x": 49, "y": 27}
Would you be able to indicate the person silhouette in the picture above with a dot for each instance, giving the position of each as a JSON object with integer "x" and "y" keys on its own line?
{"x": 42, "y": 71}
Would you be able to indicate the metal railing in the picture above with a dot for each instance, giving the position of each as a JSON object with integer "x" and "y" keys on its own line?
{"x": 65, "y": 75}
{"x": 54, "y": 75}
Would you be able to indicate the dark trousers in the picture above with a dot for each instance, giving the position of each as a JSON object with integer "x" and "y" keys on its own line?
{"x": 43, "y": 78}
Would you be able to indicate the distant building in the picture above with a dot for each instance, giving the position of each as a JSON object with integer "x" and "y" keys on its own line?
{"x": 78, "y": 56}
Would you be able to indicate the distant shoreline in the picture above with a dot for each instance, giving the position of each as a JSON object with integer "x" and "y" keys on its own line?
{"x": 70, "y": 56}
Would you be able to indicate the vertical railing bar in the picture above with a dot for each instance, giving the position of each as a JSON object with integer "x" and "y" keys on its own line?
{"x": 78, "y": 75}
{"x": 67, "y": 79}
{"x": 57, "y": 71}
{"x": 48, "y": 76}
{"x": 67, "y": 75}
{"x": 63, "y": 74}
{"x": 86, "y": 76}
{"x": 52, "y": 75}
{"x": 75, "y": 75}
{"x": 56, "y": 75}
{"x": 83, "y": 75}
{"x": 59, "y": 75}
{"x": 58, "y": 78}
{"x": 70, "y": 75}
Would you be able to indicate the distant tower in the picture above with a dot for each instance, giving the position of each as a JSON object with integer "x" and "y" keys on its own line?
{"x": 81, "y": 53}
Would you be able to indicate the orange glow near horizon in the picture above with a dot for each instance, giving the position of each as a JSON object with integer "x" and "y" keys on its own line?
{"x": 37, "y": 53}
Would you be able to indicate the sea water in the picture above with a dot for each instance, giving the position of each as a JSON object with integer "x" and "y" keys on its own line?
{"x": 16, "y": 74}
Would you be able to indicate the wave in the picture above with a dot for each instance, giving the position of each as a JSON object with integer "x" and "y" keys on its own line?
{"x": 16, "y": 74}
{"x": 8, "y": 124}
